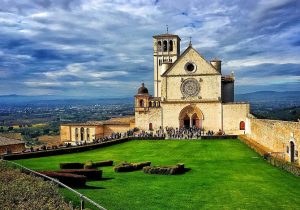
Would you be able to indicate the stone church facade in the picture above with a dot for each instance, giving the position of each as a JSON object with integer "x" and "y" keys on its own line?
{"x": 188, "y": 91}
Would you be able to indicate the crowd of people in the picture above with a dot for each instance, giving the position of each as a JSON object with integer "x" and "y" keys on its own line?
{"x": 161, "y": 133}
{"x": 177, "y": 133}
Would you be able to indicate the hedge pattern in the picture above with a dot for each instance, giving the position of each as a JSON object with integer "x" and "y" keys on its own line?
{"x": 91, "y": 164}
{"x": 90, "y": 174}
{"x": 127, "y": 167}
{"x": 72, "y": 180}
{"x": 165, "y": 170}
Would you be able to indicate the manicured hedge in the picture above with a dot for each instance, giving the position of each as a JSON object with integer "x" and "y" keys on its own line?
{"x": 71, "y": 165}
{"x": 90, "y": 174}
{"x": 103, "y": 163}
{"x": 72, "y": 180}
{"x": 165, "y": 170}
{"x": 127, "y": 167}
{"x": 91, "y": 164}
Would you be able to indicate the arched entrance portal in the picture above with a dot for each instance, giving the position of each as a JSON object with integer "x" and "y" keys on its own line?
{"x": 292, "y": 151}
{"x": 190, "y": 116}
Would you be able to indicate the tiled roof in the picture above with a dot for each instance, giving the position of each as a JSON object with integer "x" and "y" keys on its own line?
{"x": 7, "y": 141}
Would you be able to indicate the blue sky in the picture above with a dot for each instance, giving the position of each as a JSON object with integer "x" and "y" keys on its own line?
{"x": 103, "y": 48}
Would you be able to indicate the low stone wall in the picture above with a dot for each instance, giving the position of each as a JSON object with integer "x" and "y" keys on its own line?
{"x": 61, "y": 151}
{"x": 270, "y": 156}
{"x": 14, "y": 148}
{"x": 276, "y": 136}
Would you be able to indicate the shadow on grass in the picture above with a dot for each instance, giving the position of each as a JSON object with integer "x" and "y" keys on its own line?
{"x": 105, "y": 179}
{"x": 90, "y": 187}
{"x": 186, "y": 170}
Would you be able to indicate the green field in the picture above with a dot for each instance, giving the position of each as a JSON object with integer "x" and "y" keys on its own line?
{"x": 225, "y": 174}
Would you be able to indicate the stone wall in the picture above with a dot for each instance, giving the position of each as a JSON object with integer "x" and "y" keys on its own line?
{"x": 117, "y": 128}
{"x": 14, "y": 148}
{"x": 142, "y": 119}
{"x": 233, "y": 115}
{"x": 276, "y": 135}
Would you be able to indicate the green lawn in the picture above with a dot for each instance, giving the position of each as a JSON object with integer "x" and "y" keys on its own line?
{"x": 225, "y": 174}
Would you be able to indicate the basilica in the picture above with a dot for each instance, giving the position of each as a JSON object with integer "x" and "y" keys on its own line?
{"x": 188, "y": 92}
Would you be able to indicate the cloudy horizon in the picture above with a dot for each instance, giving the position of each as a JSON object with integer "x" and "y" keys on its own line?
{"x": 103, "y": 48}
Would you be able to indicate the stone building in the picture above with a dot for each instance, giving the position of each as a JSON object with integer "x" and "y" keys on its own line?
{"x": 91, "y": 130}
{"x": 188, "y": 91}
{"x": 8, "y": 145}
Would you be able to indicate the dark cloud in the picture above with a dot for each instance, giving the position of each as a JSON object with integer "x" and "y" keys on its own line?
{"x": 57, "y": 47}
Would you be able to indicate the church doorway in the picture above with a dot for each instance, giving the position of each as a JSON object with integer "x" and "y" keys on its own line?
{"x": 190, "y": 116}
{"x": 292, "y": 151}
{"x": 195, "y": 121}
{"x": 186, "y": 121}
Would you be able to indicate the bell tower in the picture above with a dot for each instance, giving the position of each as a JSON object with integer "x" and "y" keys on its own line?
{"x": 166, "y": 50}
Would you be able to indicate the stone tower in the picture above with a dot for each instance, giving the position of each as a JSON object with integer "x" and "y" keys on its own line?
{"x": 166, "y": 51}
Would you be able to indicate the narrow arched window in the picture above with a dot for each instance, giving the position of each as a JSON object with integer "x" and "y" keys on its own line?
{"x": 76, "y": 134}
{"x": 170, "y": 45}
{"x": 242, "y": 125}
{"x": 150, "y": 127}
{"x": 141, "y": 103}
{"x": 159, "y": 45}
{"x": 165, "y": 46}
{"x": 87, "y": 134}
{"x": 81, "y": 134}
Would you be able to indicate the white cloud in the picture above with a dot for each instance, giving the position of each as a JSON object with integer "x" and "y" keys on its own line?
{"x": 267, "y": 80}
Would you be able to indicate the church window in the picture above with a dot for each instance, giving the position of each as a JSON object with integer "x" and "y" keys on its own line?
{"x": 81, "y": 134}
{"x": 150, "y": 104}
{"x": 141, "y": 103}
{"x": 150, "y": 127}
{"x": 159, "y": 62}
{"x": 170, "y": 45}
{"x": 190, "y": 67}
{"x": 242, "y": 125}
{"x": 76, "y": 134}
{"x": 159, "y": 45}
{"x": 165, "y": 46}
{"x": 88, "y": 134}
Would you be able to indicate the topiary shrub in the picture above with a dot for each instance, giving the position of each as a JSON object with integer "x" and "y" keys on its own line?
{"x": 88, "y": 165}
{"x": 103, "y": 163}
{"x": 90, "y": 174}
{"x": 165, "y": 170}
{"x": 127, "y": 167}
{"x": 71, "y": 165}
{"x": 72, "y": 180}
{"x": 91, "y": 164}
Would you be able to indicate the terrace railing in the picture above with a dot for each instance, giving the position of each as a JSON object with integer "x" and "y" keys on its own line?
{"x": 82, "y": 198}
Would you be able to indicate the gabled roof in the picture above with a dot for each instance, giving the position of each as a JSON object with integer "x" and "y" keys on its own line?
{"x": 182, "y": 55}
